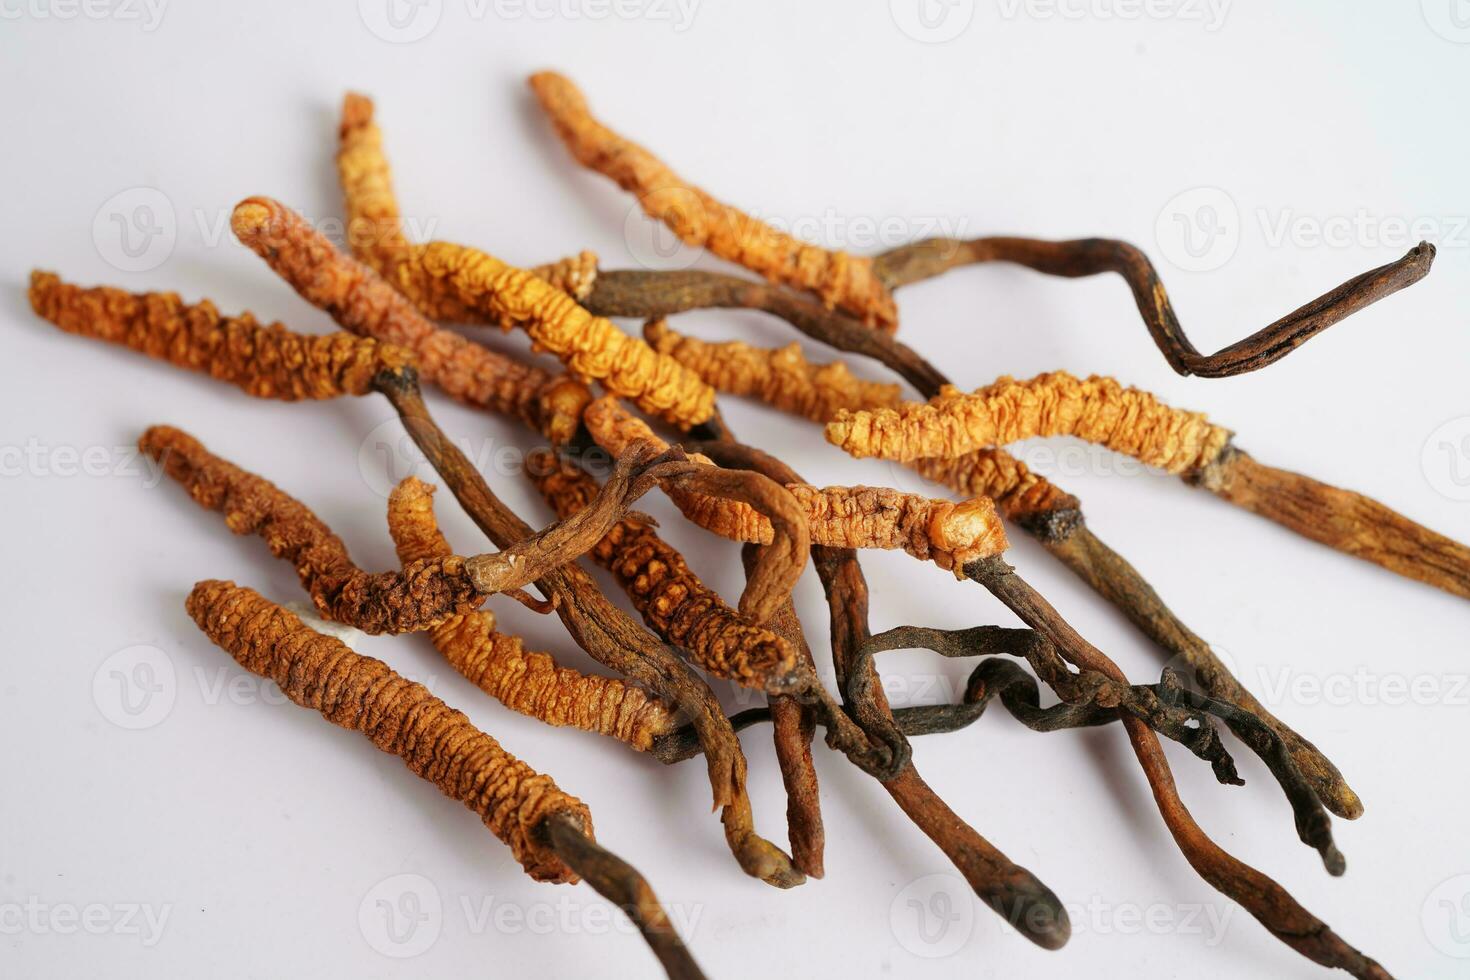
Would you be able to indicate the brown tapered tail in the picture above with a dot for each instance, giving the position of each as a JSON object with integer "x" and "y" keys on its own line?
{"x": 1341, "y": 519}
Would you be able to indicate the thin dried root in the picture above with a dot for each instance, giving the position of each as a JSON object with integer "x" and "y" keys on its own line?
{"x": 620, "y": 883}
{"x": 793, "y": 725}
{"x": 1099, "y": 410}
{"x": 840, "y": 279}
{"x": 782, "y": 378}
{"x": 1091, "y": 256}
{"x": 401, "y": 717}
{"x": 497, "y": 663}
{"x": 1259, "y": 895}
{"x": 1341, "y": 519}
{"x": 424, "y": 593}
{"x": 1092, "y": 699}
{"x": 608, "y": 636}
{"x": 265, "y": 361}
{"x": 672, "y": 600}
{"x": 359, "y": 301}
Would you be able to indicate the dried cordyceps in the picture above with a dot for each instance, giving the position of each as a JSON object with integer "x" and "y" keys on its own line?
{"x": 671, "y": 598}
{"x": 451, "y": 282}
{"x": 548, "y": 831}
{"x": 840, "y": 279}
{"x": 499, "y": 664}
{"x": 467, "y": 371}
{"x": 591, "y": 347}
{"x": 424, "y": 593}
{"x": 266, "y": 361}
{"x": 1183, "y": 443}
{"x": 610, "y": 637}
{"x": 1012, "y": 891}
{"x": 375, "y": 229}
{"x": 1098, "y": 410}
{"x": 1092, "y": 256}
{"x": 947, "y": 533}
{"x": 782, "y": 378}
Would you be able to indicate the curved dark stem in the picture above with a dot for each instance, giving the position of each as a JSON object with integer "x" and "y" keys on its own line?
{"x": 645, "y": 294}
{"x": 620, "y": 883}
{"x": 1086, "y": 687}
{"x": 606, "y": 633}
{"x": 1091, "y": 256}
{"x": 1009, "y": 889}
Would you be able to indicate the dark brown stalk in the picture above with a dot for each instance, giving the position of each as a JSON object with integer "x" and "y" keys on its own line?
{"x": 620, "y": 883}
{"x": 1009, "y": 889}
{"x": 1341, "y": 519}
{"x": 793, "y": 724}
{"x": 606, "y": 634}
{"x": 1262, "y": 897}
{"x": 1092, "y": 256}
{"x": 1090, "y": 698}
{"x": 648, "y": 295}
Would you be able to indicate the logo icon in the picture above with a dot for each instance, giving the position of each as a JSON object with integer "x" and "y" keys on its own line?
{"x": 648, "y": 236}
{"x": 135, "y": 230}
{"x": 1199, "y": 230}
{"x": 1450, "y": 19}
{"x": 932, "y": 21}
{"x": 135, "y": 688}
{"x": 400, "y": 21}
{"x": 1446, "y": 459}
{"x": 933, "y": 916}
{"x": 1446, "y": 915}
{"x": 401, "y": 916}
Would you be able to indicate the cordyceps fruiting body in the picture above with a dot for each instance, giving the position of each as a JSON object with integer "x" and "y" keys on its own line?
{"x": 400, "y": 716}
{"x": 1098, "y": 410}
{"x": 947, "y": 533}
{"x": 266, "y": 361}
{"x": 423, "y": 593}
{"x": 361, "y": 302}
{"x": 375, "y": 227}
{"x": 497, "y": 663}
{"x": 782, "y": 378}
{"x": 841, "y": 280}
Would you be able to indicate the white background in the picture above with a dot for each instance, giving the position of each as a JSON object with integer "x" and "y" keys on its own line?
{"x": 262, "y": 833}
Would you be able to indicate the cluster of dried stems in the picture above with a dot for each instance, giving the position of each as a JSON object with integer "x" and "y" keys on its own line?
{"x": 391, "y": 296}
